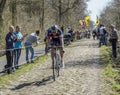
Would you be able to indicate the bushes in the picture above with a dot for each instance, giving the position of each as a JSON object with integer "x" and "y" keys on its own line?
{"x": 112, "y": 70}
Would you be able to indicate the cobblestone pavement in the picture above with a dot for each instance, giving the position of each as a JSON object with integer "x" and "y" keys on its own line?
{"x": 82, "y": 74}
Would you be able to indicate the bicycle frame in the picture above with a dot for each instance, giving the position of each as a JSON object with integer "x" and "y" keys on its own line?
{"x": 56, "y": 63}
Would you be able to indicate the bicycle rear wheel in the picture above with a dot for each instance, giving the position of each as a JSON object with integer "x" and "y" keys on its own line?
{"x": 53, "y": 66}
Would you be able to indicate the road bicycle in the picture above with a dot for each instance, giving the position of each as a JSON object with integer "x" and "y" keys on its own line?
{"x": 56, "y": 62}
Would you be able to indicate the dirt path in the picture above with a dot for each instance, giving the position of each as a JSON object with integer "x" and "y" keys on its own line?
{"x": 81, "y": 76}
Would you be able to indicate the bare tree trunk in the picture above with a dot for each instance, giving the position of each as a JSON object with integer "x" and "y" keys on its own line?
{"x": 30, "y": 8}
{"x": 60, "y": 12}
{"x": 14, "y": 12}
{"x": 118, "y": 21}
{"x": 42, "y": 17}
{"x": 2, "y": 6}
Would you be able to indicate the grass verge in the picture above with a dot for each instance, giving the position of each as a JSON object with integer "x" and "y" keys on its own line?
{"x": 24, "y": 68}
{"x": 112, "y": 71}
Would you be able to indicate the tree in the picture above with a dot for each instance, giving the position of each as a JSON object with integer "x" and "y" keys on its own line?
{"x": 64, "y": 9}
{"x": 13, "y": 5}
{"x": 2, "y": 6}
{"x": 111, "y": 14}
{"x": 41, "y": 21}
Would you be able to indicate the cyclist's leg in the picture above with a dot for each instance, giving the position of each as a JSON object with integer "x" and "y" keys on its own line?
{"x": 51, "y": 42}
{"x": 61, "y": 53}
{"x": 52, "y": 53}
{"x": 61, "y": 50}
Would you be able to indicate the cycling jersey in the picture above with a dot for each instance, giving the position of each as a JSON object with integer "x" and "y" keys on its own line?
{"x": 50, "y": 35}
{"x": 54, "y": 39}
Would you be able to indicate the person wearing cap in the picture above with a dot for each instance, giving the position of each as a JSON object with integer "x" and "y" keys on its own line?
{"x": 113, "y": 40}
{"x": 54, "y": 36}
{"x": 32, "y": 38}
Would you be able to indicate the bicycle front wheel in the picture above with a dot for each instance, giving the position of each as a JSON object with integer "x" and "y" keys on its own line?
{"x": 56, "y": 66}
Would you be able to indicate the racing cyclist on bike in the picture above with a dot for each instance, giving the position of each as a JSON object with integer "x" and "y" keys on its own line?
{"x": 54, "y": 37}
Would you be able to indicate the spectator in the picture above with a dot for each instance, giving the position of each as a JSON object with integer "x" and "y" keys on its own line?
{"x": 105, "y": 36}
{"x": 101, "y": 35}
{"x": 113, "y": 39}
{"x": 98, "y": 32}
{"x": 10, "y": 38}
{"x": 94, "y": 34}
{"x": 33, "y": 38}
{"x": 18, "y": 46}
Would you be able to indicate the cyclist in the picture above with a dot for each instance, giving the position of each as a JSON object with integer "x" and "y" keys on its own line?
{"x": 54, "y": 37}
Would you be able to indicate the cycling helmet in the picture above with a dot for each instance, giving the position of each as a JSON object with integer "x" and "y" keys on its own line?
{"x": 53, "y": 27}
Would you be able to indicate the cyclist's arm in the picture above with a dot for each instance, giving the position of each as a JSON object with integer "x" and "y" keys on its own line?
{"x": 61, "y": 42}
{"x": 61, "y": 38}
{"x": 47, "y": 37}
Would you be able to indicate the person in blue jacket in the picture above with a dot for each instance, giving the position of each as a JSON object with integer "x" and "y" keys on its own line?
{"x": 10, "y": 39}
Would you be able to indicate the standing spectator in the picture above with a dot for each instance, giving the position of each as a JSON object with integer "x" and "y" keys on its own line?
{"x": 98, "y": 32}
{"x": 18, "y": 46}
{"x": 101, "y": 35}
{"x": 105, "y": 36}
{"x": 113, "y": 39}
{"x": 33, "y": 38}
{"x": 94, "y": 34}
{"x": 10, "y": 38}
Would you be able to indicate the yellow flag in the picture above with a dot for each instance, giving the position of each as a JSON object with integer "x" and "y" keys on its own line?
{"x": 97, "y": 21}
{"x": 87, "y": 18}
